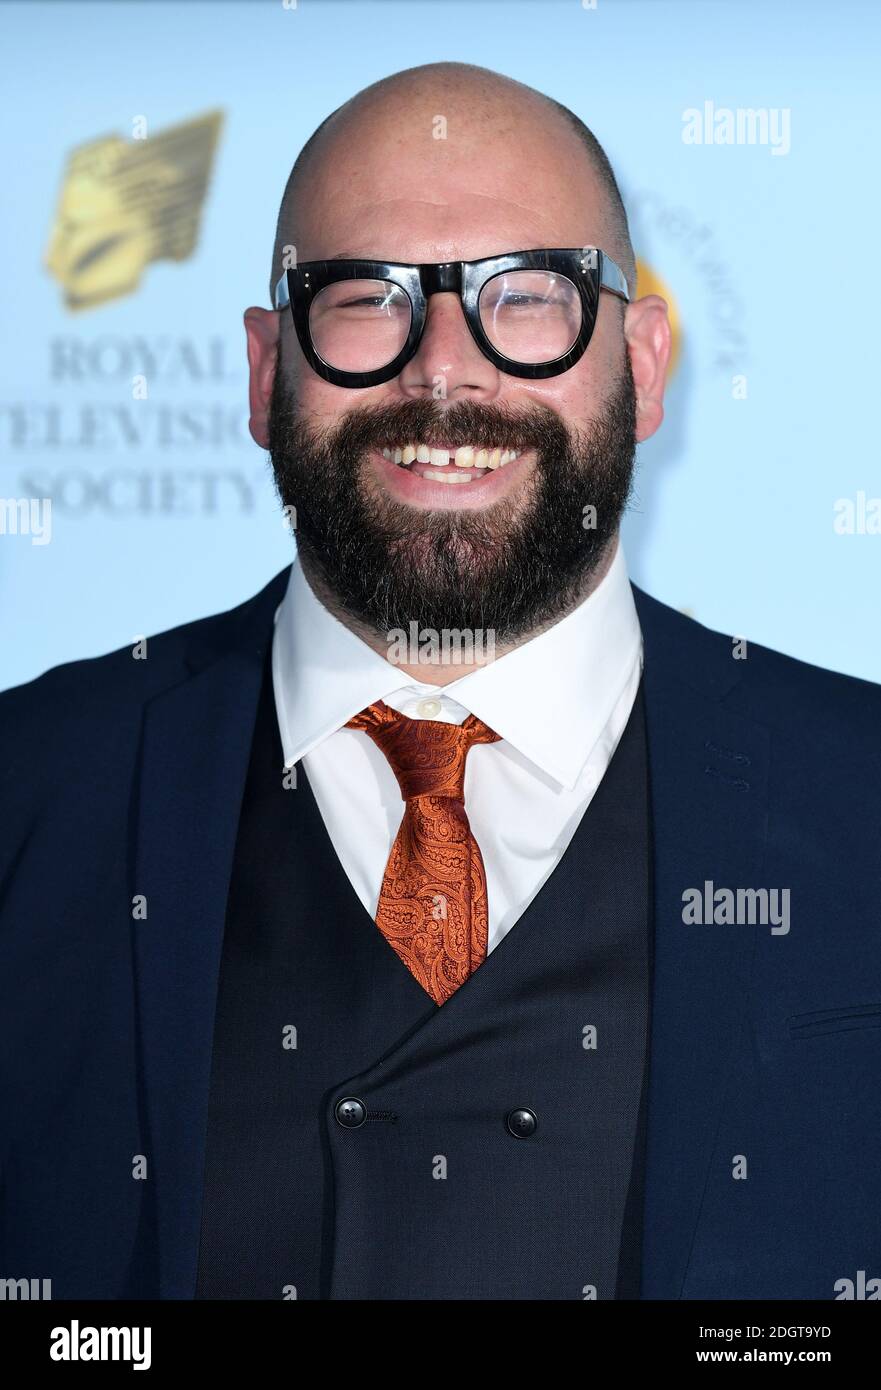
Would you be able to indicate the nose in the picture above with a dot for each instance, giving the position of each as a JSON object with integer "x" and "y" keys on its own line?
{"x": 448, "y": 363}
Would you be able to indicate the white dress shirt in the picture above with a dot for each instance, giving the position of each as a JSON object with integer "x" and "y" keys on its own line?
{"x": 560, "y": 703}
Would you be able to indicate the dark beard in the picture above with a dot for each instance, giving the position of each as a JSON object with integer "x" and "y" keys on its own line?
{"x": 510, "y": 569}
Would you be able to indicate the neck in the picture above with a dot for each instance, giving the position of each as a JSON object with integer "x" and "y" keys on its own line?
{"x": 437, "y": 663}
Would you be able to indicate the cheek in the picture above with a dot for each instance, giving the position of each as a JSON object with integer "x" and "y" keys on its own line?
{"x": 577, "y": 396}
{"x": 324, "y": 404}
{"x": 586, "y": 390}
{"x": 317, "y": 401}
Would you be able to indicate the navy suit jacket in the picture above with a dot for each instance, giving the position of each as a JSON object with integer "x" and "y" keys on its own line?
{"x": 123, "y": 777}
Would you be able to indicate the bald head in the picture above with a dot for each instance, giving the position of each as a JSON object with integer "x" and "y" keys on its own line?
{"x": 466, "y": 159}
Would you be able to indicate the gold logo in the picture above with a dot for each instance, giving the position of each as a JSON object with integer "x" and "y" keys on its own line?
{"x": 124, "y": 204}
{"x": 647, "y": 282}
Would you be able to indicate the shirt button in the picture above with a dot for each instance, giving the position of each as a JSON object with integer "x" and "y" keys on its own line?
{"x": 521, "y": 1123}
{"x": 429, "y": 709}
{"x": 350, "y": 1112}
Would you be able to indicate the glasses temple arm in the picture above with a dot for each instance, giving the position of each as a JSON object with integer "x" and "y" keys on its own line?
{"x": 282, "y": 298}
{"x": 612, "y": 278}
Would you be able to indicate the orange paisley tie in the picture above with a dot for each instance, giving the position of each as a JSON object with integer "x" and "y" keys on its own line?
{"x": 432, "y": 905}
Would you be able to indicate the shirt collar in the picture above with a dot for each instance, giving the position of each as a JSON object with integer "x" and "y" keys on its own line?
{"x": 322, "y": 673}
{"x": 551, "y": 698}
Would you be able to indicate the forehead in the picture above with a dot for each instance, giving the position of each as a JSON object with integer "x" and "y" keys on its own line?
{"x": 393, "y": 190}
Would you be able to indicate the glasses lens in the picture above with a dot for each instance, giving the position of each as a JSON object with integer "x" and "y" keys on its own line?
{"x": 359, "y": 325}
{"x": 530, "y": 315}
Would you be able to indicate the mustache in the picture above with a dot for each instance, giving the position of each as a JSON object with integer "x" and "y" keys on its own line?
{"x": 467, "y": 422}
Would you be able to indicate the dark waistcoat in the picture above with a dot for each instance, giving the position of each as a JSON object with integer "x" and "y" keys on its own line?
{"x": 429, "y": 1182}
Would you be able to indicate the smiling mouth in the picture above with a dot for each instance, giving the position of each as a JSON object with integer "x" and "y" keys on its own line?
{"x": 465, "y": 464}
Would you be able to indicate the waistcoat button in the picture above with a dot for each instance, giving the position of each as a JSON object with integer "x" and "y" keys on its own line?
{"x": 521, "y": 1123}
{"x": 350, "y": 1112}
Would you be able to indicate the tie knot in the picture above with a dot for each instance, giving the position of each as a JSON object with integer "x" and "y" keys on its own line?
{"x": 426, "y": 755}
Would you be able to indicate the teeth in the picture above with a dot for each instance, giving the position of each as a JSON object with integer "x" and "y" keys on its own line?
{"x": 435, "y": 477}
{"x": 465, "y": 457}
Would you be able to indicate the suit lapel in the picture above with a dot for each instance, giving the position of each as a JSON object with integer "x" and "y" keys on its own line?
{"x": 708, "y": 767}
{"x": 194, "y": 759}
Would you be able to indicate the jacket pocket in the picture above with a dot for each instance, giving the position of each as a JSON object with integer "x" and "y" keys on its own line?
{"x": 842, "y": 1020}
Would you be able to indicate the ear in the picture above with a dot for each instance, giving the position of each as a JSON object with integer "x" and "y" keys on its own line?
{"x": 648, "y": 338}
{"x": 262, "y": 327}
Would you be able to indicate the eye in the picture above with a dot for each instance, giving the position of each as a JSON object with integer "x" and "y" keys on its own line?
{"x": 361, "y": 299}
{"x": 521, "y": 299}
{"x": 367, "y": 301}
{"x": 532, "y": 291}
{"x": 514, "y": 301}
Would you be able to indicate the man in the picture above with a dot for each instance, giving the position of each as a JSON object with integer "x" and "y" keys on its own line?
{"x": 543, "y": 968}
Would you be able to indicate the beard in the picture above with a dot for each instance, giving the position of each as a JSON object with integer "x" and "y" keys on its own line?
{"x": 510, "y": 568}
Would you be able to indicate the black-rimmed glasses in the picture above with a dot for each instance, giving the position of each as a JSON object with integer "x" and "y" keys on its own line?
{"x": 532, "y": 313}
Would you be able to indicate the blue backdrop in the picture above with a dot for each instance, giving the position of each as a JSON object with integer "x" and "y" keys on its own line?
{"x": 754, "y": 506}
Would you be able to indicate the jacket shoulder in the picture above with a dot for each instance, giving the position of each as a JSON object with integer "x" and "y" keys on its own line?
{"x": 778, "y": 690}
{"x": 108, "y": 691}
